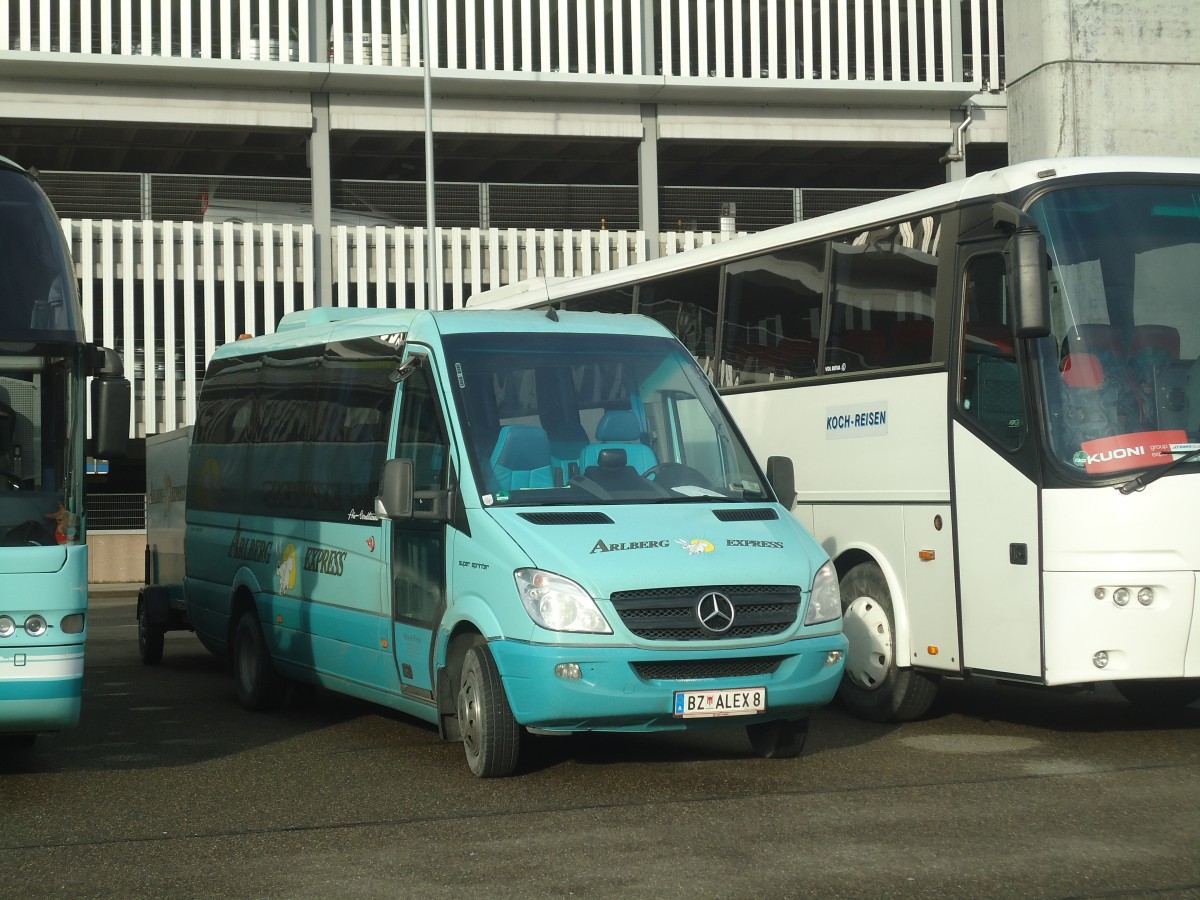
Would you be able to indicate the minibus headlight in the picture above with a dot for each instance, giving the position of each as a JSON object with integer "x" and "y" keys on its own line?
{"x": 35, "y": 626}
{"x": 825, "y": 599}
{"x": 559, "y": 604}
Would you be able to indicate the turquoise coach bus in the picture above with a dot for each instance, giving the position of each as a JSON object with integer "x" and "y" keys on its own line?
{"x": 501, "y": 523}
{"x": 45, "y": 361}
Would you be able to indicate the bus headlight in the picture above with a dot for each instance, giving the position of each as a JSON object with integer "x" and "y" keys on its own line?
{"x": 7, "y": 626}
{"x": 559, "y": 604}
{"x": 825, "y": 599}
{"x": 35, "y": 626}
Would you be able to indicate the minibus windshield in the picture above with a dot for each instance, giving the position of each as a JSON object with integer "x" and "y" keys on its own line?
{"x": 1119, "y": 372}
{"x": 585, "y": 419}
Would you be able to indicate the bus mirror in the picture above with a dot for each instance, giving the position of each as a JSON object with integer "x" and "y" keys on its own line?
{"x": 106, "y": 363}
{"x": 110, "y": 417}
{"x": 1028, "y": 282}
{"x": 782, "y": 476}
{"x": 395, "y": 500}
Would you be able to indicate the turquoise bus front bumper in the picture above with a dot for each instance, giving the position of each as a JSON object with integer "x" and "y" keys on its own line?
{"x": 612, "y": 695}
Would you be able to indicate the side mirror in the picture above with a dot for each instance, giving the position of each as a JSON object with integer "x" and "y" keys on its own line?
{"x": 111, "y": 401}
{"x": 1025, "y": 260}
{"x": 398, "y": 500}
{"x": 395, "y": 500}
{"x": 782, "y": 475}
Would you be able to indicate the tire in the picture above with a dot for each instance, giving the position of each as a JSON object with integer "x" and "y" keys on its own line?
{"x": 491, "y": 736}
{"x": 780, "y": 739}
{"x": 151, "y": 638}
{"x": 1160, "y": 693}
{"x": 874, "y": 687}
{"x": 259, "y": 686}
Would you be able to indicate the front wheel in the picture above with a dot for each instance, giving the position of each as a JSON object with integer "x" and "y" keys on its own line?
{"x": 259, "y": 686}
{"x": 151, "y": 638}
{"x": 1160, "y": 693}
{"x": 874, "y": 686}
{"x": 780, "y": 739}
{"x": 490, "y": 733}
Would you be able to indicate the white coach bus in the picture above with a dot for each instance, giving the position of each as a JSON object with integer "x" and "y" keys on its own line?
{"x": 992, "y": 394}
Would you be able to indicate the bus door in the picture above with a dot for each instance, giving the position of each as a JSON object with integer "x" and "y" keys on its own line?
{"x": 995, "y": 495}
{"x": 418, "y": 546}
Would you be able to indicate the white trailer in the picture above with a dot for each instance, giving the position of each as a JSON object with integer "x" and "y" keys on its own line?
{"x": 160, "y": 606}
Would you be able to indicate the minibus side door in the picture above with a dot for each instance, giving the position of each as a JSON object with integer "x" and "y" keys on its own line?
{"x": 418, "y": 544}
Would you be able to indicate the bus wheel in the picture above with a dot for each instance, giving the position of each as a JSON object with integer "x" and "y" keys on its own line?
{"x": 150, "y": 638}
{"x": 1158, "y": 693}
{"x": 490, "y": 734}
{"x": 874, "y": 687}
{"x": 780, "y": 739}
{"x": 258, "y": 685}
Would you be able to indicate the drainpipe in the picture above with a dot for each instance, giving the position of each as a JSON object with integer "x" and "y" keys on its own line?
{"x": 955, "y": 159}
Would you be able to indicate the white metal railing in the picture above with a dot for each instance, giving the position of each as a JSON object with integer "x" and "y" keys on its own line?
{"x": 166, "y": 294}
{"x": 910, "y": 41}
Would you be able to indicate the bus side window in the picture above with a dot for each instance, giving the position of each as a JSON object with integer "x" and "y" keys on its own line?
{"x": 773, "y": 316}
{"x": 990, "y": 386}
{"x": 883, "y": 286}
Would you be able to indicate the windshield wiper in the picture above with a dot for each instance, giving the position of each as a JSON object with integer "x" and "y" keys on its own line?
{"x": 1151, "y": 475}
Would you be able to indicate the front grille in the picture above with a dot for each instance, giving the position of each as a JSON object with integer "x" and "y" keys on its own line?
{"x": 691, "y": 669}
{"x": 669, "y": 614}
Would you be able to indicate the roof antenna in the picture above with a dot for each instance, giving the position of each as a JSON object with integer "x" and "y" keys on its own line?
{"x": 552, "y": 314}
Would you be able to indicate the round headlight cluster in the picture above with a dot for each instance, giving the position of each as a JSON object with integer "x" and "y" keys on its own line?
{"x": 1122, "y": 595}
{"x": 35, "y": 626}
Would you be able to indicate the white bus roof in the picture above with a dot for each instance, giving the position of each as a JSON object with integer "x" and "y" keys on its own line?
{"x": 998, "y": 182}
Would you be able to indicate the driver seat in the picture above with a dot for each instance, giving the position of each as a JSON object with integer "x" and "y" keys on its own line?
{"x": 620, "y": 429}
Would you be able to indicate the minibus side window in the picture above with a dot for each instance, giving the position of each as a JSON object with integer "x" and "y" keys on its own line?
{"x": 421, "y": 435}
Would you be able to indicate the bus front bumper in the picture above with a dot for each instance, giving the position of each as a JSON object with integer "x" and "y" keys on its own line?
{"x": 634, "y": 689}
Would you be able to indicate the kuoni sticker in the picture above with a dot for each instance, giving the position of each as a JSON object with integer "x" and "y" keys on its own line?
{"x": 1129, "y": 451}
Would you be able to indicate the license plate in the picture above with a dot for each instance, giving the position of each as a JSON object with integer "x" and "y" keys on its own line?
{"x": 737, "y": 702}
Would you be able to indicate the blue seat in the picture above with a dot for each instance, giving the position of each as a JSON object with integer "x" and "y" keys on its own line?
{"x": 521, "y": 458}
{"x": 620, "y": 429}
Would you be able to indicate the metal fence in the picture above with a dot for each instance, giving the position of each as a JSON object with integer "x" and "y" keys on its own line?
{"x": 115, "y": 512}
{"x": 217, "y": 199}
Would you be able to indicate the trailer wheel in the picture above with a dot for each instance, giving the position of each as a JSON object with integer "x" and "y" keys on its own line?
{"x": 151, "y": 638}
{"x": 490, "y": 733}
{"x": 780, "y": 739}
{"x": 1160, "y": 694}
{"x": 874, "y": 686}
{"x": 259, "y": 686}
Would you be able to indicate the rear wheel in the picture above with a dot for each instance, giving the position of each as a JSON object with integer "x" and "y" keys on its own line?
{"x": 150, "y": 638}
{"x": 258, "y": 685}
{"x": 1160, "y": 693}
{"x": 874, "y": 687}
{"x": 490, "y": 734}
{"x": 780, "y": 739}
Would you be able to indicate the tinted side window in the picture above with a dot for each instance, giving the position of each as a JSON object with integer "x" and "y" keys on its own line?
{"x": 773, "y": 316}
{"x": 991, "y": 385}
{"x": 687, "y": 305}
{"x": 883, "y": 288}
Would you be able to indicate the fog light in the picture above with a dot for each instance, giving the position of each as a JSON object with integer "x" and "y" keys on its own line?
{"x": 72, "y": 624}
{"x": 568, "y": 670}
{"x": 1146, "y": 596}
{"x": 833, "y": 657}
{"x": 1099, "y": 593}
{"x": 1100, "y": 660}
{"x": 35, "y": 626}
{"x": 7, "y": 627}
{"x": 1121, "y": 596}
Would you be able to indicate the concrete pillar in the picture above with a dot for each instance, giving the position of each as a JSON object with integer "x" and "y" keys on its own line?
{"x": 322, "y": 199}
{"x": 648, "y": 178}
{"x": 1102, "y": 77}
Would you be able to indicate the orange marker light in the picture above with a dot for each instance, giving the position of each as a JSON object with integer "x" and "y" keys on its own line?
{"x": 279, "y": 620}
{"x": 931, "y": 650}
{"x": 383, "y": 643}
{"x": 925, "y": 555}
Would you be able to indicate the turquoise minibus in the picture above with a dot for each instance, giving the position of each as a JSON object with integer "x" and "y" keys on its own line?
{"x": 502, "y": 523}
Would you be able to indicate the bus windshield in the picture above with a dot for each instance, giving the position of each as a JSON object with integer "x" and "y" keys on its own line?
{"x": 1119, "y": 373}
{"x": 595, "y": 419}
